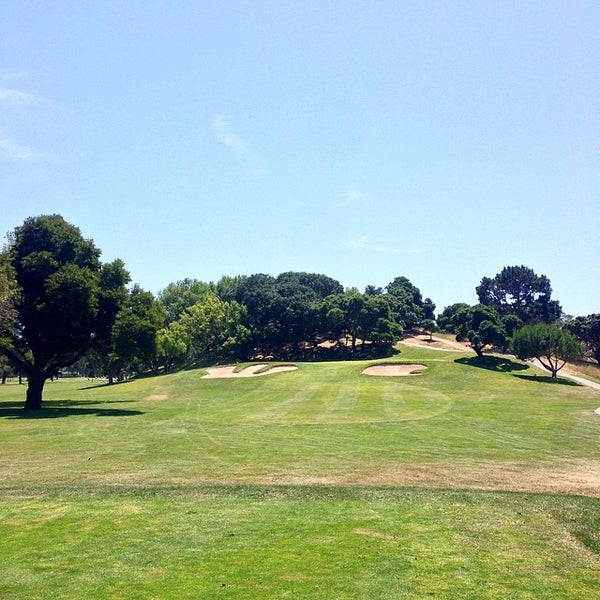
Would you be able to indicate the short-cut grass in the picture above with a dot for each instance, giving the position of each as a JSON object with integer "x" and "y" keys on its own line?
{"x": 457, "y": 482}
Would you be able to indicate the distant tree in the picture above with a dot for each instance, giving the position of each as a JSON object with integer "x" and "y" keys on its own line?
{"x": 102, "y": 357}
{"x": 386, "y": 331}
{"x": 282, "y": 310}
{"x": 406, "y": 302}
{"x": 171, "y": 345}
{"x": 430, "y": 327}
{"x": 135, "y": 330}
{"x": 376, "y": 321}
{"x": 587, "y": 329}
{"x": 293, "y": 311}
{"x": 373, "y": 290}
{"x": 481, "y": 326}
{"x": 553, "y": 347}
{"x": 176, "y": 297}
{"x": 61, "y": 302}
{"x": 215, "y": 327}
{"x": 321, "y": 285}
{"x": 428, "y": 309}
{"x": 519, "y": 291}
{"x": 227, "y": 286}
{"x": 353, "y": 316}
{"x": 258, "y": 295}
{"x": 342, "y": 316}
{"x": 445, "y": 318}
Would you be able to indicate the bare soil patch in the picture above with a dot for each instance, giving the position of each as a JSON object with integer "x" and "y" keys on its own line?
{"x": 394, "y": 370}
{"x": 251, "y": 371}
{"x": 436, "y": 343}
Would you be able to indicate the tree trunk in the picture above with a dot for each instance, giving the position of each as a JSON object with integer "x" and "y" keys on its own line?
{"x": 35, "y": 385}
{"x": 478, "y": 348}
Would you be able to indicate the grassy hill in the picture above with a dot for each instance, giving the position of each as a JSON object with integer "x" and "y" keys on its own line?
{"x": 459, "y": 482}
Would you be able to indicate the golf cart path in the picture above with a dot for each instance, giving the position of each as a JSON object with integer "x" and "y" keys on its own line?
{"x": 576, "y": 378}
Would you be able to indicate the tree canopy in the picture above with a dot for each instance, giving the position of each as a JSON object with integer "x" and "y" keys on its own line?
{"x": 481, "y": 326}
{"x": 519, "y": 291}
{"x": 63, "y": 300}
{"x": 587, "y": 329}
{"x": 552, "y": 346}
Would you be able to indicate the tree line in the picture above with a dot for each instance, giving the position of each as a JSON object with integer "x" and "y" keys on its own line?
{"x": 62, "y": 308}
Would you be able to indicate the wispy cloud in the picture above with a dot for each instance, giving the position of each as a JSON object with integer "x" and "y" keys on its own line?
{"x": 12, "y": 150}
{"x": 372, "y": 244}
{"x": 353, "y": 195}
{"x": 227, "y": 136}
{"x": 15, "y": 98}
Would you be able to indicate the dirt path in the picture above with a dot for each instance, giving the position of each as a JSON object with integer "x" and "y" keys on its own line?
{"x": 436, "y": 343}
{"x": 580, "y": 380}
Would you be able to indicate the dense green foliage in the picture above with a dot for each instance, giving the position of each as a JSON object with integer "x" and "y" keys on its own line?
{"x": 481, "y": 325}
{"x": 549, "y": 344}
{"x": 64, "y": 300}
{"x": 293, "y": 315}
{"x": 519, "y": 291}
{"x": 587, "y": 329}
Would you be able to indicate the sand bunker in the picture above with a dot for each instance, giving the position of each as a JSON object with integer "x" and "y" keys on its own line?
{"x": 394, "y": 370}
{"x": 251, "y": 371}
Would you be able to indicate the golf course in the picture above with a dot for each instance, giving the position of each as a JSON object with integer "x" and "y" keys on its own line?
{"x": 448, "y": 479}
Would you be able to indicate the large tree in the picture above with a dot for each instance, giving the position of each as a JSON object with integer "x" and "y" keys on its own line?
{"x": 481, "y": 325}
{"x": 553, "y": 347}
{"x": 519, "y": 291}
{"x": 62, "y": 303}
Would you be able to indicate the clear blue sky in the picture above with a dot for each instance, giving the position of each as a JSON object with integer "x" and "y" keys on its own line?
{"x": 441, "y": 141}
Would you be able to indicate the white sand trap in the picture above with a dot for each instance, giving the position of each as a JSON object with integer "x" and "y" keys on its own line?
{"x": 251, "y": 371}
{"x": 394, "y": 370}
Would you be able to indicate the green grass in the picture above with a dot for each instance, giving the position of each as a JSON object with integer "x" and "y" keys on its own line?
{"x": 459, "y": 482}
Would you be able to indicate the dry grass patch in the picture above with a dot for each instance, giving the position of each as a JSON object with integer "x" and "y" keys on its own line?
{"x": 562, "y": 476}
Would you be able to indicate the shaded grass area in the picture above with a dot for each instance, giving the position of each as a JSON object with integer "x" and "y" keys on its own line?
{"x": 189, "y": 496}
{"x": 308, "y": 542}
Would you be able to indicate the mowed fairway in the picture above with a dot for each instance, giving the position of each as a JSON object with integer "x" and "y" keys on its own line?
{"x": 458, "y": 482}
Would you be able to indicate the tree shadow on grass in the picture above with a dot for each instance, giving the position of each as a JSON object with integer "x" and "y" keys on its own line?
{"x": 547, "y": 379}
{"x": 105, "y": 384}
{"x": 493, "y": 363}
{"x": 54, "y": 409}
